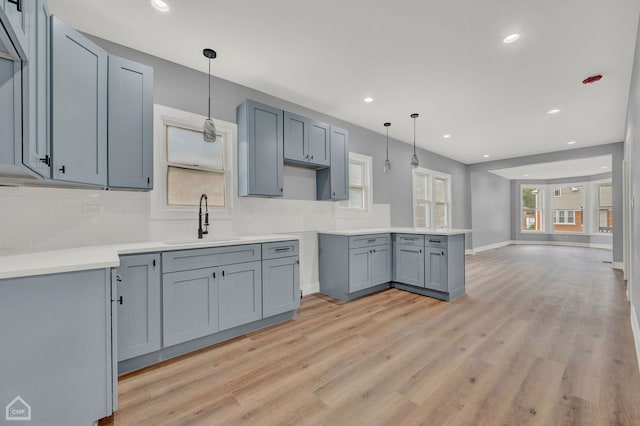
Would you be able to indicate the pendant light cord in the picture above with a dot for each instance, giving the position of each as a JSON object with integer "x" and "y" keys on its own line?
{"x": 387, "y": 142}
{"x": 414, "y": 136}
{"x": 209, "y": 115}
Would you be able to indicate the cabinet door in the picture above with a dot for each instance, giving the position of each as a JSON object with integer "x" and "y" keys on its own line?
{"x": 296, "y": 136}
{"x": 410, "y": 263}
{"x": 436, "y": 269}
{"x": 138, "y": 305}
{"x": 10, "y": 112}
{"x": 78, "y": 106}
{"x": 333, "y": 183}
{"x": 130, "y": 124}
{"x": 260, "y": 150}
{"x": 319, "y": 146}
{"x": 381, "y": 265}
{"x": 36, "y": 152}
{"x": 280, "y": 285}
{"x": 189, "y": 305}
{"x": 240, "y": 294}
{"x": 359, "y": 269}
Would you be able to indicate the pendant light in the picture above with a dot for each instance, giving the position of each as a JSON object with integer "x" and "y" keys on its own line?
{"x": 209, "y": 131}
{"x": 414, "y": 157}
{"x": 387, "y": 163}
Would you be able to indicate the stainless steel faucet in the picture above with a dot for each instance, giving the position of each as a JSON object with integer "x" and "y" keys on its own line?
{"x": 202, "y": 232}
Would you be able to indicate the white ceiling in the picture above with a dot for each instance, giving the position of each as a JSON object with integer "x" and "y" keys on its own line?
{"x": 442, "y": 59}
{"x": 558, "y": 169}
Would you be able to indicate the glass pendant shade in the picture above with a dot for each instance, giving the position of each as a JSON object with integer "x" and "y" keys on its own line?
{"x": 209, "y": 129}
{"x": 414, "y": 158}
{"x": 387, "y": 163}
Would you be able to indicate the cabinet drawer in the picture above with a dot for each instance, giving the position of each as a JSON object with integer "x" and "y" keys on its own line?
{"x": 279, "y": 249}
{"x": 436, "y": 241}
{"x": 410, "y": 239}
{"x": 184, "y": 260}
{"x": 369, "y": 240}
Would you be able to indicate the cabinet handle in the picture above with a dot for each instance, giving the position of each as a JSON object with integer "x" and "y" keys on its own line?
{"x": 374, "y": 250}
{"x": 223, "y": 273}
{"x": 334, "y": 194}
{"x": 118, "y": 278}
{"x": 435, "y": 241}
{"x": 281, "y": 189}
{"x": 306, "y": 157}
{"x": 62, "y": 169}
{"x": 214, "y": 275}
{"x": 420, "y": 250}
{"x": 120, "y": 300}
{"x": 298, "y": 262}
{"x": 281, "y": 249}
{"x": 18, "y": 4}
{"x": 311, "y": 158}
{"x": 443, "y": 253}
{"x": 46, "y": 160}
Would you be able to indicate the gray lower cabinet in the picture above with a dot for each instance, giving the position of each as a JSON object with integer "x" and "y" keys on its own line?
{"x": 239, "y": 294}
{"x": 138, "y": 297}
{"x": 260, "y": 150}
{"x": 189, "y": 305}
{"x": 333, "y": 183}
{"x": 280, "y": 285}
{"x": 78, "y": 106}
{"x": 409, "y": 264}
{"x": 130, "y": 124}
{"x": 435, "y": 268}
{"x": 57, "y": 346}
{"x": 352, "y": 266}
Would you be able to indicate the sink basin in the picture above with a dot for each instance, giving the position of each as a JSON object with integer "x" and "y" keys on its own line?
{"x": 202, "y": 241}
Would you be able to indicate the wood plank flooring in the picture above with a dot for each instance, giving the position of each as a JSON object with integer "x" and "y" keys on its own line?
{"x": 541, "y": 337}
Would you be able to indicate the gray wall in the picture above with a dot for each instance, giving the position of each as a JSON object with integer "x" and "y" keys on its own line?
{"x": 183, "y": 88}
{"x": 490, "y": 207}
{"x": 496, "y": 196}
{"x": 632, "y": 153}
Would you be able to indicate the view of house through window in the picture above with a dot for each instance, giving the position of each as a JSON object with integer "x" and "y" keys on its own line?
{"x": 431, "y": 199}
{"x": 360, "y": 187}
{"x": 605, "y": 208}
{"x": 531, "y": 209}
{"x": 356, "y": 185}
{"x": 568, "y": 209}
{"x": 194, "y": 167}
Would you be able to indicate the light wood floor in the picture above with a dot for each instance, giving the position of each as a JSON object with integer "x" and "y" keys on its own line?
{"x": 541, "y": 337}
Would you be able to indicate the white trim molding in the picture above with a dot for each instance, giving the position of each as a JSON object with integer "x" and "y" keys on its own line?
{"x": 635, "y": 327}
{"x": 310, "y": 288}
{"x": 618, "y": 265}
{"x": 564, "y": 243}
{"x": 489, "y": 247}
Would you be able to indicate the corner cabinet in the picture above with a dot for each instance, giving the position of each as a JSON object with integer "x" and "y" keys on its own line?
{"x": 333, "y": 183}
{"x": 78, "y": 106}
{"x": 260, "y": 150}
{"x": 138, "y": 302}
{"x": 130, "y": 124}
{"x": 351, "y": 267}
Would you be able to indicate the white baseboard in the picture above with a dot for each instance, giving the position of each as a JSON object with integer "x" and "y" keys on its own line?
{"x": 618, "y": 265}
{"x": 564, "y": 243}
{"x": 488, "y": 247}
{"x": 310, "y": 288}
{"x": 635, "y": 327}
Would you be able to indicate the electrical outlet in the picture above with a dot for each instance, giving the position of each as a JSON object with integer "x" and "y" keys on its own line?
{"x": 300, "y": 294}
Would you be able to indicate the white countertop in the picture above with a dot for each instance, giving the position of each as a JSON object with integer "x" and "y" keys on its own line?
{"x": 399, "y": 230}
{"x": 23, "y": 264}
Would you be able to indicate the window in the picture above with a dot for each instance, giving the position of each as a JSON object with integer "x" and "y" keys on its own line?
{"x": 531, "y": 208}
{"x": 605, "y": 208}
{"x": 431, "y": 199}
{"x": 194, "y": 167}
{"x": 185, "y": 167}
{"x": 360, "y": 187}
{"x": 568, "y": 207}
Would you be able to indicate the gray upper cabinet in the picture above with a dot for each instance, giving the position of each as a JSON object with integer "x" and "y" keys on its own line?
{"x": 78, "y": 106}
{"x": 18, "y": 19}
{"x": 138, "y": 297}
{"x": 130, "y": 128}
{"x": 10, "y": 115}
{"x": 306, "y": 142}
{"x": 333, "y": 183}
{"x": 239, "y": 294}
{"x": 36, "y": 147}
{"x": 260, "y": 150}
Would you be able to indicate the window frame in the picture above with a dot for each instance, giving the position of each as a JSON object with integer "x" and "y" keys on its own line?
{"x": 541, "y": 190}
{"x": 165, "y": 116}
{"x": 342, "y": 208}
{"x": 431, "y": 176}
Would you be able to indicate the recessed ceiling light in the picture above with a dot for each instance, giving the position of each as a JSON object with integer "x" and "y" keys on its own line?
{"x": 511, "y": 38}
{"x": 160, "y": 5}
{"x": 447, "y": 136}
{"x": 604, "y": 167}
{"x": 553, "y": 111}
{"x": 486, "y": 156}
{"x": 368, "y": 99}
{"x": 527, "y": 175}
{"x": 571, "y": 143}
